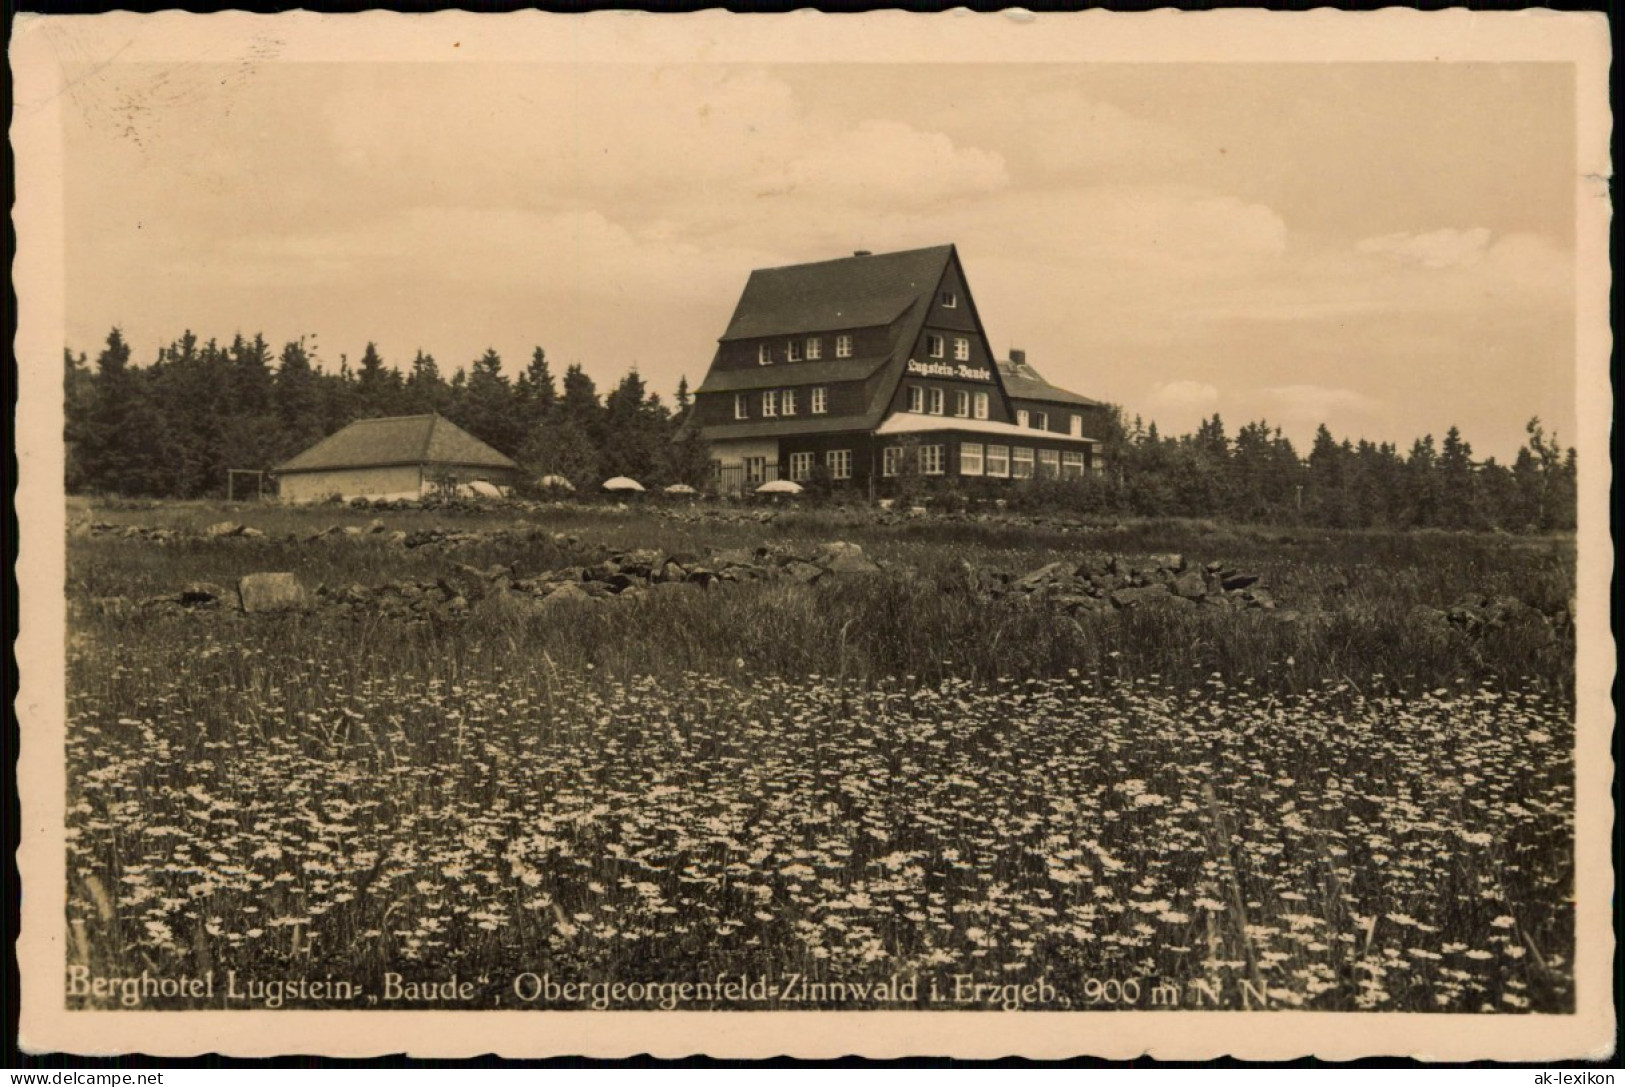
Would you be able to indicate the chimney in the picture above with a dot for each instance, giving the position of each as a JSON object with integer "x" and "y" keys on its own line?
{"x": 862, "y": 253}
{"x": 1018, "y": 357}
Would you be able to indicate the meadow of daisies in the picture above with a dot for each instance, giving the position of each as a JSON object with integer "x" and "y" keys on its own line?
{"x": 867, "y": 779}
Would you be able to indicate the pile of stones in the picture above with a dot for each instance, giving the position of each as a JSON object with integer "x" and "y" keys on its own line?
{"x": 623, "y": 575}
{"x": 1102, "y": 582}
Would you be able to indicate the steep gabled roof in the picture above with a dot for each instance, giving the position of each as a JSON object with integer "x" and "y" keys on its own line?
{"x": 792, "y": 373}
{"x": 397, "y": 440}
{"x": 1023, "y": 382}
{"x": 830, "y": 295}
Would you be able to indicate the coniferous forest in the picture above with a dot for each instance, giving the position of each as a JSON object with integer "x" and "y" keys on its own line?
{"x": 171, "y": 427}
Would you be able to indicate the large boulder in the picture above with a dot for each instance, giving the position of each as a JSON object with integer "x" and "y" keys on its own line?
{"x": 260, "y": 593}
{"x": 1190, "y": 585}
{"x": 839, "y": 557}
{"x": 1146, "y": 594}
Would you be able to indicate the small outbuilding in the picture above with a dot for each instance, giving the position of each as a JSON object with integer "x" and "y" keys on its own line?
{"x": 406, "y": 456}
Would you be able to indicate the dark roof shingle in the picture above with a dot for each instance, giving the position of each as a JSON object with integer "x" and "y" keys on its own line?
{"x": 397, "y": 440}
{"x": 825, "y": 296}
{"x": 792, "y": 373}
{"x": 1023, "y": 382}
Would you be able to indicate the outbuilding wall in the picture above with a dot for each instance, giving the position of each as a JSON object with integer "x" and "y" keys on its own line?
{"x": 401, "y": 481}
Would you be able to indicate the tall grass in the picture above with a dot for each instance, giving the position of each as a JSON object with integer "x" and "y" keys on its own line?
{"x": 1362, "y": 808}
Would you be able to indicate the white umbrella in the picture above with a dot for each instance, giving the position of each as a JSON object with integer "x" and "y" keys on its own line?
{"x": 779, "y": 486}
{"x": 681, "y": 488}
{"x": 622, "y": 483}
{"x": 555, "y": 483}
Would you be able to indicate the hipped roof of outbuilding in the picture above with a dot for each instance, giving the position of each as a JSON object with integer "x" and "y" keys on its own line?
{"x": 395, "y": 441}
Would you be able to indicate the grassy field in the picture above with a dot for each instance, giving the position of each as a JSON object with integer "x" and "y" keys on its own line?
{"x": 861, "y": 779}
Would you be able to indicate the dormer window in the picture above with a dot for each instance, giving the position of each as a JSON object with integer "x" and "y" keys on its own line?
{"x": 1022, "y": 419}
{"x": 764, "y": 355}
{"x": 815, "y": 349}
{"x": 1040, "y": 420}
{"x": 741, "y": 406}
{"x": 843, "y": 347}
{"x": 795, "y": 351}
{"x": 933, "y": 346}
{"x": 1076, "y": 429}
{"x": 948, "y": 299}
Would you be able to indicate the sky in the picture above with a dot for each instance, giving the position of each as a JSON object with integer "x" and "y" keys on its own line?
{"x": 1385, "y": 248}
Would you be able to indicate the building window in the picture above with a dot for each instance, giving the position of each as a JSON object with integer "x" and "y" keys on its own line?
{"x": 1040, "y": 420}
{"x": 949, "y": 299}
{"x": 820, "y": 400}
{"x": 770, "y": 404}
{"x": 1021, "y": 463}
{"x": 815, "y": 349}
{"x": 1072, "y": 464}
{"x": 741, "y": 406}
{"x": 764, "y": 355}
{"x": 891, "y": 460}
{"x": 961, "y": 349}
{"x": 789, "y": 402}
{"x": 970, "y": 458}
{"x": 962, "y": 404}
{"x": 981, "y": 405}
{"x": 839, "y": 463}
{"x": 1022, "y": 418}
{"x": 931, "y": 460}
{"x": 1076, "y": 425}
{"x": 1049, "y": 463}
{"x": 843, "y": 347}
{"x": 794, "y": 350}
{"x": 755, "y": 469}
{"x": 933, "y": 345}
{"x": 998, "y": 461}
{"x": 801, "y": 466}
{"x": 916, "y": 399}
{"x": 938, "y": 399}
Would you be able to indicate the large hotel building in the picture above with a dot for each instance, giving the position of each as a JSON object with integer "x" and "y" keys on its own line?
{"x": 876, "y": 365}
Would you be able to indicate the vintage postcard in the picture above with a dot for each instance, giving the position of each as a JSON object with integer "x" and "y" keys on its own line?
{"x": 958, "y": 535}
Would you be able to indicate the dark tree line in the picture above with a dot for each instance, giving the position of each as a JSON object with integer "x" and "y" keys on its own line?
{"x": 173, "y": 427}
{"x": 1257, "y": 475}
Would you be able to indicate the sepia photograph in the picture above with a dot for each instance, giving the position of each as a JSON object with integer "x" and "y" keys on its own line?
{"x": 965, "y": 535}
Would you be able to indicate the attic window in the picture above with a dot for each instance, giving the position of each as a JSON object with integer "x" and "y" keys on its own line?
{"x": 949, "y": 300}
{"x": 934, "y": 346}
{"x": 764, "y": 355}
{"x": 843, "y": 347}
{"x": 795, "y": 350}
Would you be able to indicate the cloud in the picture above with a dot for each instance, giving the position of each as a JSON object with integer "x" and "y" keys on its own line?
{"x": 1302, "y": 406}
{"x": 889, "y": 162}
{"x": 1185, "y": 394}
{"x": 1178, "y": 406}
{"x": 1435, "y": 249}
